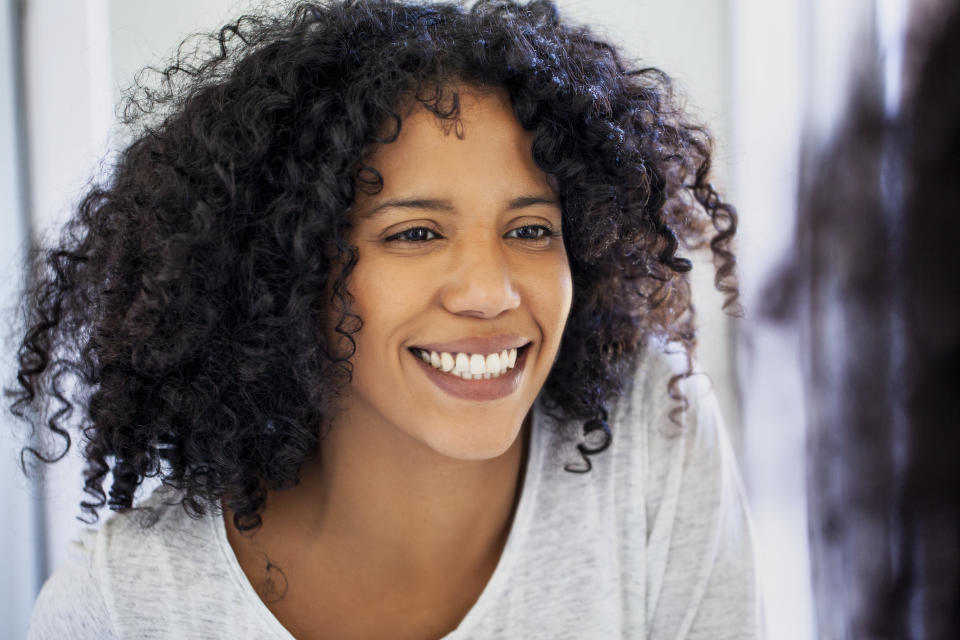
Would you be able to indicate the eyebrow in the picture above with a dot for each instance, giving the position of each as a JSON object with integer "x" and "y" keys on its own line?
{"x": 424, "y": 204}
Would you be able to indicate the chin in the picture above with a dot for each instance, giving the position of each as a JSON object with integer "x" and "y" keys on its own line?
{"x": 472, "y": 442}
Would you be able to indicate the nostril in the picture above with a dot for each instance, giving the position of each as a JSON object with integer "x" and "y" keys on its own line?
{"x": 481, "y": 296}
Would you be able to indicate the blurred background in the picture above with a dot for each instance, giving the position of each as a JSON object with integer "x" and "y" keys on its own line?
{"x": 766, "y": 77}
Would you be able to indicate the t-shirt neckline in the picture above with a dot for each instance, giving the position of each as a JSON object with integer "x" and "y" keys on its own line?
{"x": 495, "y": 585}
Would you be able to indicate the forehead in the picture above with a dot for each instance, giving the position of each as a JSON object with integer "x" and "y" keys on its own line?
{"x": 484, "y": 153}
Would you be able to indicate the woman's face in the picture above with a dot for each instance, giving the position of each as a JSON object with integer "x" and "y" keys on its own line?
{"x": 460, "y": 261}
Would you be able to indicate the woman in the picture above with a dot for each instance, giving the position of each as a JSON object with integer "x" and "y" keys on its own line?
{"x": 370, "y": 291}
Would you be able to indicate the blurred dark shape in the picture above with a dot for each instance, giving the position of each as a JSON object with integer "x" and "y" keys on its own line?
{"x": 876, "y": 285}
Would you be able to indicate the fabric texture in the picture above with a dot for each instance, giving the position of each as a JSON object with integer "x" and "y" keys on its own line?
{"x": 654, "y": 542}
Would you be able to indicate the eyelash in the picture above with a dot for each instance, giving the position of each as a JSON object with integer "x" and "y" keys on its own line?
{"x": 546, "y": 233}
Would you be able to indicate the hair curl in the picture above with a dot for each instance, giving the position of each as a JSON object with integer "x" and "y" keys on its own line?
{"x": 183, "y": 301}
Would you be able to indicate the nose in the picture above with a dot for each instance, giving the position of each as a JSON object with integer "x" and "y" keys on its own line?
{"x": 480, "y": 282}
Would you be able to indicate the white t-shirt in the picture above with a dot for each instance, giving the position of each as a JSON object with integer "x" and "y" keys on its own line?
{"x": 654, "y": 542}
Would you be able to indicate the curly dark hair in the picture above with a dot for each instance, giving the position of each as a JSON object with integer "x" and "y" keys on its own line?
{"x": 183, "y": 302}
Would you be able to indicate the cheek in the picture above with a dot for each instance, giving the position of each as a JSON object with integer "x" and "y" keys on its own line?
{"x": 552, "y": 295}
{"x": 385, "y": 295}
{"x": 567, "y": 287}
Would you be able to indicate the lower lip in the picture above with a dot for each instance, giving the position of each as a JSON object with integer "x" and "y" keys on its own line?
{"x": 476, "y": 389}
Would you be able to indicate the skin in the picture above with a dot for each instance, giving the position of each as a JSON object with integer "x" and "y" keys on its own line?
{"x": 397, "y": 526}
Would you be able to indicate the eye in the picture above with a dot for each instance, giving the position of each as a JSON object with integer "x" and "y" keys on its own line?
{"x": 531, "y": 232}
{"x": 413, "y": 234}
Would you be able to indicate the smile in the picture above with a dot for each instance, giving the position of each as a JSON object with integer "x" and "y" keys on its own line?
{"x": 470, "y": 366}
{"x": 474, "y": 376}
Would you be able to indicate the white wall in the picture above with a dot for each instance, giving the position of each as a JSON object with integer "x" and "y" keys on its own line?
{"x": 148, "y": 32}
{"x": 18, "y": 505}
{"x": 767, "y": 107}
{"x": 69, "y": 117}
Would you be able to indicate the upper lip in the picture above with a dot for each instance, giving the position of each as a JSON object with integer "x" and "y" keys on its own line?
{"x": 477, "y": 344}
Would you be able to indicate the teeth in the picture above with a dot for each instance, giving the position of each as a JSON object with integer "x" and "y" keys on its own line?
{"x": 492, "y": 365}
{"x": 446, "y": 362}
{"x": 471, "y": 366}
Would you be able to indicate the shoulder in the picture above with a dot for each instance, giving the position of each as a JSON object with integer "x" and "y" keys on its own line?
{"x": 667, "y": 420}
{"x": 672, "y": 407}
{"x": 71, "y": 603}
{"x": 667, "y": 499}
{"x": 156, "y": 535}
{"x": 700, "y": 562}
{"x": 127, "y": 573}
{"x": 671, "y": 421}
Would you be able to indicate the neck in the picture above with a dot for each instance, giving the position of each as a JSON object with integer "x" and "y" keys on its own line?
{"x": 388, "y": 510}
